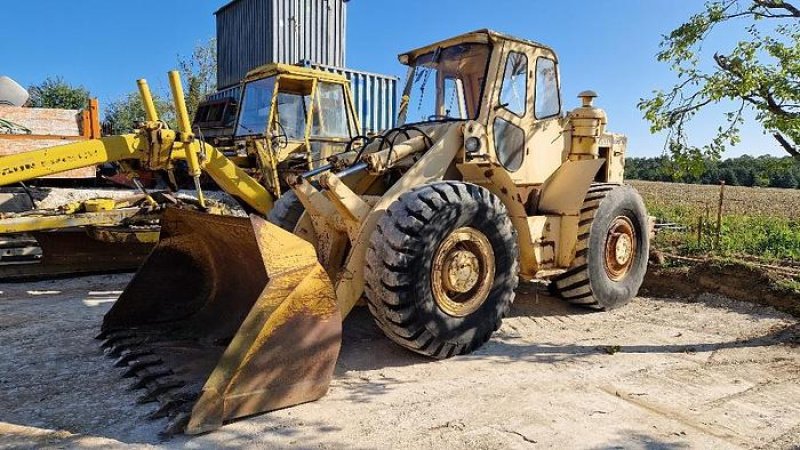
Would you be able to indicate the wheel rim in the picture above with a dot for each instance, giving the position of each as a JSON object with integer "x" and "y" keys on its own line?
{"x": 462, "y": 272}
{"x": 620, "y": 248}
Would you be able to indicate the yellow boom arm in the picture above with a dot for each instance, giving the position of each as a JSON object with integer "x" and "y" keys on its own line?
{"x": 153, "y": 145}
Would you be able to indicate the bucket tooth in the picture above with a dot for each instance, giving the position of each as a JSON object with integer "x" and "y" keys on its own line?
{"x": 130, "y": 355}
{"x": 173, "y": 404}
{"x": 115, "y": 336}
{"x": 148, "y": 375}
{"x": 243, "y": 341}
{"x": 176, "y": 426}
{"x": 115, "y": 350}
{"x": 144, "y": 362}
{"x": 158, "y": 387}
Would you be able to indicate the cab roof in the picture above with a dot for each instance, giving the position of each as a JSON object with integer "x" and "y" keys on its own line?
{"x": 272, "y": 69}
{"x": 484, "y": 36}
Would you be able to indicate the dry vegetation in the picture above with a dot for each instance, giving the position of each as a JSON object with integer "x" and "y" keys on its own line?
{"x": 758, "y": 223}
{"x": 739, "y": 200}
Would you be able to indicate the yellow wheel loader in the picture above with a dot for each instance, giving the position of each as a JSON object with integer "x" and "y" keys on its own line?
{"x": 487, "y": 181}
{"x": 291, "y": 119}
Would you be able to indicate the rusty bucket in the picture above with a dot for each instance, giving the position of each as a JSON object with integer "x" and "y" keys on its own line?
{"x": 228, "y": 317}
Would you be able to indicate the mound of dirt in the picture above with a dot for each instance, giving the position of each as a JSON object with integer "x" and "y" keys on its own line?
{"x": 731, "y": 279}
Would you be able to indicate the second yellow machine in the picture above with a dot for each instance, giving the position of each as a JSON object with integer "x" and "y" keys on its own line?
{"x": 486, "y": 181}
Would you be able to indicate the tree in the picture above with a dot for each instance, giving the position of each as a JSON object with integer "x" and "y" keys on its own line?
{"x": 122, "y": 115}
{"x": 783, "y": 180}
{"x": 760, "y": 73}
{"x": 199, "y": 73}
{"x": 54, "y": 92}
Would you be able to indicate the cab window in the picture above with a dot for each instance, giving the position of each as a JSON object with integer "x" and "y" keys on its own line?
{"x": 255, "y": 109}
{"x": 548, "y": 101}
{"x": 330, "y": 113}
{"x": 292, "y": 113}
{"x": 509, "y": 143}
{"x": 514, "y": 91}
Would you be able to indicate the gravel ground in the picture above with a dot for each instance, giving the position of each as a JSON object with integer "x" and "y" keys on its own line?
{"x": 659, "y": 373}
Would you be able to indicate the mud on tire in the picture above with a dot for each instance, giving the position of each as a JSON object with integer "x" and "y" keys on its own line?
{"x": 597, "y": 279}
{"x": 415, "y": 231}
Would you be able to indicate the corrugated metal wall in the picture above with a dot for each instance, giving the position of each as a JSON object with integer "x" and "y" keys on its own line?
{"x": 374, "y": 95}
{"x": 251, "y": 33}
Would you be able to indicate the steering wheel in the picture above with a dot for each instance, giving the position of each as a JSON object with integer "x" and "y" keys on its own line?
{"x": 279, "y": 140}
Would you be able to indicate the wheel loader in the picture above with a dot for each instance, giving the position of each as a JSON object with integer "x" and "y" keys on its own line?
{"x": 487, "y": 181}
{"x": 291, "y": 119}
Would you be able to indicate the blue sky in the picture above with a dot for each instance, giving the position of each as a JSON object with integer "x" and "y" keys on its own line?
{"x": 607, "y": 45}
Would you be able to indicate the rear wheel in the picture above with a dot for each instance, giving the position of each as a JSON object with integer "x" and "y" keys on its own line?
{"x": 442, "y": 268}
{"x": 286, "y": 212}
{"x": 612, "y": 249}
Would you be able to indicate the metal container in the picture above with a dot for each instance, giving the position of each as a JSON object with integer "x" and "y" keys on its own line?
{"x": 251, "y": 33}
{"x": 374, "y": 95}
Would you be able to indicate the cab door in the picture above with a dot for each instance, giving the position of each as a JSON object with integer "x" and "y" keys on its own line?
{"x": 511, "y": 114}
{"x": 526, "y": 127}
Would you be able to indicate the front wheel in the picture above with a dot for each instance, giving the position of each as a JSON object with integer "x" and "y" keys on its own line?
{"x": 442, "y": 268}
{"x": 612, "y": 249}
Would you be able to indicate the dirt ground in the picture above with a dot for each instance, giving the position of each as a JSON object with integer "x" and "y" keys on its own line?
{"x": 659, "y": 373}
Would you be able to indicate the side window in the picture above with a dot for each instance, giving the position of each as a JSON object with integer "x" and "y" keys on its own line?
{"x": 509, "y": 143}
{"x": 292, "y": 110}
{"x": 548, "y": 102}
{"x": 330, "y": 112}
{"x": 514, "y": 92}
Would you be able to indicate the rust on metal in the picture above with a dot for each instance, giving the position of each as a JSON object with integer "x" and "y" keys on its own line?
{"x": 248, "y": 324}
{"x": 463, "y": 272}
{"x": 620, "y": 248}
{"x": 72, "y": 252}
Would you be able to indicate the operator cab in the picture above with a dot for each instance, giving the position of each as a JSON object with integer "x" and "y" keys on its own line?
{"x": 292, "y": 119}
{"x": 302, "y": 113}
{"x": 505, "y": 85}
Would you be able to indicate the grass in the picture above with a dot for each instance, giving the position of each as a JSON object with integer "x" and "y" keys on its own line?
{"x": 757, "y": 224}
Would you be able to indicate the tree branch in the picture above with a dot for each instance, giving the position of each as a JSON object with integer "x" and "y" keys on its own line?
{"x": 791, "y": 149}
{"x": 792, "y": 10}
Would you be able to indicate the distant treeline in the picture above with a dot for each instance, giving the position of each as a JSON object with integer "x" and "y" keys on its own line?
{"x": 763, "y": 171}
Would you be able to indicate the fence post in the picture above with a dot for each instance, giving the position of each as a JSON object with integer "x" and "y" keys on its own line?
{"x": 700, "y": 231}
{"x": 719, "y": 213}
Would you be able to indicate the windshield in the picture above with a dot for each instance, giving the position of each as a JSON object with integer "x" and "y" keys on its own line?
{"x": 255, "y": 109}
{"x": 447, "y": 83}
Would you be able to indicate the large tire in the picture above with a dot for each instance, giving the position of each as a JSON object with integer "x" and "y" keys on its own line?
{"x": 286, "y": 212}
{"x": 604, "y": 275}
{"x": 464, "y": 231}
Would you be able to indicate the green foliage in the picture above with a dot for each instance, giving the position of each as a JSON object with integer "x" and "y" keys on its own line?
{"x": 199, "y": 73}
{"x": 763, "y": 171}
{"x": 123, "y": 115}
{"x": 759, "y": 73}
{"x": 54, "y": 92}
{"x": 770, "y": 239}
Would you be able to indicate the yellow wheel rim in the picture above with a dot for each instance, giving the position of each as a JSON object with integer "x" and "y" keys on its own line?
{"x": 620, "y": 248}
{"x": 463, "y": 272}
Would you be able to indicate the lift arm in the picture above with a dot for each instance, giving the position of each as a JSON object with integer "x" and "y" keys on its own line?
{"x": 155, "y": 146}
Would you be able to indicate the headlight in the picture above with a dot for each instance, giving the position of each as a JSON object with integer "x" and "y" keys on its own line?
{"x": 472, "y": 145}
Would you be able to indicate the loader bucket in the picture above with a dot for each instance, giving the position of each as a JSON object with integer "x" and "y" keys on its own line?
{"x": 228, "y": 317}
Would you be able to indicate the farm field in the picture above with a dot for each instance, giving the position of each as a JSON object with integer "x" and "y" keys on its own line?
{"x": 739, "y": 200}
{"x": 757, "y": 223}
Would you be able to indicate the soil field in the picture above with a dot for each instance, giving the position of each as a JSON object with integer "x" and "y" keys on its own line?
{"x": 739, "y": 200}
{"x": 658, "y": 373}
